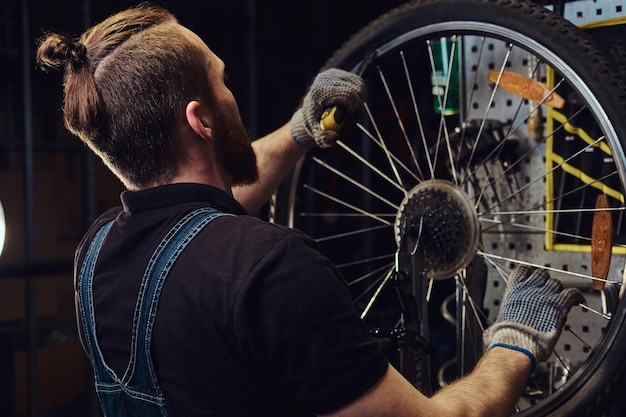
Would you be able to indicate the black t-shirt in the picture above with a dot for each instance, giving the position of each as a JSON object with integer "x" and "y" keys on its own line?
{"x": 253, "y": 318}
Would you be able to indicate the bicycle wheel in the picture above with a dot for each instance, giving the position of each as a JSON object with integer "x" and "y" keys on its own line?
{"x": 490, "y": 128}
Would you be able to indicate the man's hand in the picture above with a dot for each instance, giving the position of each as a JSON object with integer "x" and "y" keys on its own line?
{"x": 333, "y": 87}
{"x": 532, "y": 313}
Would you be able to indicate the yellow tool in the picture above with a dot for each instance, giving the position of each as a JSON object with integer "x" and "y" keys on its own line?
{"x": 333, "y": 118}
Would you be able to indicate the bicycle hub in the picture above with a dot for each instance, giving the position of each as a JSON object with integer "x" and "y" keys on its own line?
{"x": 450, "y": 226}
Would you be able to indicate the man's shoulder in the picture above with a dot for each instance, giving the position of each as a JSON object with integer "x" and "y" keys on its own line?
{"x": 255, "y": 227}
{"x": 252, "y": 240}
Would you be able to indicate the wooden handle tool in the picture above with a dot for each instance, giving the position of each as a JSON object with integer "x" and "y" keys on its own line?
{"x": 601, "y": 242}
{"x": 527, "y": 88}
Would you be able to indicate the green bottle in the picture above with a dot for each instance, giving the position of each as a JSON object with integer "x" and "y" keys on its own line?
{"x": 444, "y": 51}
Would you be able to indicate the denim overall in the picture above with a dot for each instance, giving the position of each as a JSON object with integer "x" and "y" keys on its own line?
{"x": 137, "y": 392}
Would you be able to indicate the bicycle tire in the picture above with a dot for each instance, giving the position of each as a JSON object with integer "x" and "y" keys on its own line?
{"x": 591, "y": 81}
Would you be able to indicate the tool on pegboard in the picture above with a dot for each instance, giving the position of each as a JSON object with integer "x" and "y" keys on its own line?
{"x": 601, "y": 242}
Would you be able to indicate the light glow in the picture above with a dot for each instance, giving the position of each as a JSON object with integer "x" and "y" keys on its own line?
{"x": 2, "y": 228}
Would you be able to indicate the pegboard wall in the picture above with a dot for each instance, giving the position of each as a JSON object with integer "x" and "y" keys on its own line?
{"x": 589, "y": 325}
{"x": 584, "y": 12}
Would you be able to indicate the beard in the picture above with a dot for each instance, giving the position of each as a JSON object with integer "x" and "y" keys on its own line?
{"x": 234, "y": 150}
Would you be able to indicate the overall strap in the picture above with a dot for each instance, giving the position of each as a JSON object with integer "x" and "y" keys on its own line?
{"x": 156, "y": 272}
{"x": 84, "y": 284}
{"x": 139, "y": 382}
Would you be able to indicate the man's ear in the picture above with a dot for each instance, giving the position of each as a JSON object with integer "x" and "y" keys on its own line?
{"x": 198, "y": 122}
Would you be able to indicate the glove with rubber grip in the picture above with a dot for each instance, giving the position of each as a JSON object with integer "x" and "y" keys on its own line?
{"x": 329, "y": 88}
{"x": 532, "y": 313}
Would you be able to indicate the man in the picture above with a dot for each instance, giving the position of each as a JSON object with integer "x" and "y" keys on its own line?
{"x": 189, "y": 307}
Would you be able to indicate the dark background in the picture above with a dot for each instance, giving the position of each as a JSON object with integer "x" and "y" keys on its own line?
{"x": 51, "y": 187}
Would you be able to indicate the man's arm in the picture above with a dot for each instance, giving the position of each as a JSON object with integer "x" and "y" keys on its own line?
{"x": 277, "y": 154}
{"x": 492, "y": 389}
{"x": 531, "y": 317}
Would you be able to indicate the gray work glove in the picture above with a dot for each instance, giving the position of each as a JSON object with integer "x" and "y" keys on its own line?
{"x": 533, "y": 310}
{"x": 331, "y": 87}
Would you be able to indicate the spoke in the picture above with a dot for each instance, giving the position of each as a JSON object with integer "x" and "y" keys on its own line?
{"x": 378, "y": 290}
{"x": 419, "y": 119}
{"x": 485, "y": 117}
{"x": 489, "y": 184}
{"x": 533, "y": 111}
{"x": 497, "y": 151}
{"x": 382, "y": 142}
{"x": 542, "y": 205}
{"x": 445, "y": 102}
{"x": 463, "y": 313}
{"x": 554, "y": 168}
{"x": 395, "y": 158}
{"x": 346, "y": 204}
{"x": 363, "y": 261}
{"x": 443, "y": 127}
{"x": 433, "y": 75}
{"x": 478, "y": 315}
{"x": 528, "y": 227}
{"x": 369, "y": 274}
{"x": 579, "y": 188}
{"x": 503, "y": 274}
{"x": 576, "y": 210}
{"x": 356, "y": 183}
{"x": 549, "y": 268}
{"x": 606, "y": 316}
{"x": 330, "y": 214}
{"x": 368, "y": 289}
{"x": 534, "y": 121}
{"x": 471, "y": 97}
{"x": 399, "y": 120}
{"x": 352, "y": 233}
{"x": 369, "y": 165}
{"x": 580, "y": 339}
{"x": 565, "y": 366}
